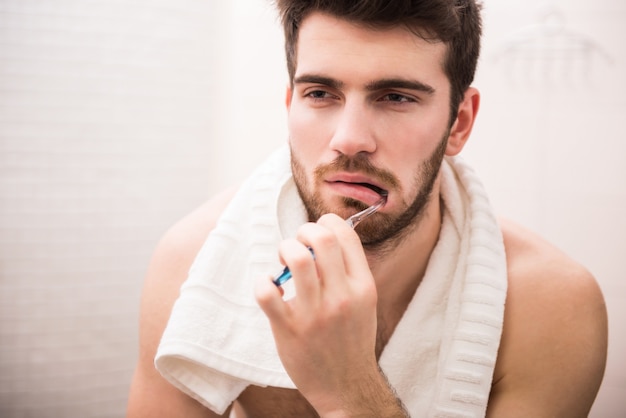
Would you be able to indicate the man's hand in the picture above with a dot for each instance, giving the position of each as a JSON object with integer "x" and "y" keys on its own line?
{"x": 326, "y": 335}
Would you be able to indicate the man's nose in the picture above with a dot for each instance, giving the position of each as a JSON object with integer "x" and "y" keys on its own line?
{"x": 353, "y": 131}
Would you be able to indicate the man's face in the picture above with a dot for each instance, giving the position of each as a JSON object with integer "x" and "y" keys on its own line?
{"x": 369, "y": 111}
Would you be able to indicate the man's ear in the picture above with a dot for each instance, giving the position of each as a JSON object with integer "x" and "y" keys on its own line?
{"x": 288, "y": 93}
{"x": 462, "y": 126}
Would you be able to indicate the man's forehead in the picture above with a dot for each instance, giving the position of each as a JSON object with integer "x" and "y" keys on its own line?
{"x": 327, "y": 43}
{"x": 318, "y": 25}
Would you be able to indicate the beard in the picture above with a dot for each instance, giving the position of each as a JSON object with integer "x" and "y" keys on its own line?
{"x": 381, "y": 230}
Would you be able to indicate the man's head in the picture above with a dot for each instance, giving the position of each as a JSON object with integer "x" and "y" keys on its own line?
{"x": 369, "y": 110}
{"x": 457, "y": 23}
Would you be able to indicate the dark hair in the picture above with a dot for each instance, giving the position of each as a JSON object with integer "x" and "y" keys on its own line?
{"x": 457, "y": 23}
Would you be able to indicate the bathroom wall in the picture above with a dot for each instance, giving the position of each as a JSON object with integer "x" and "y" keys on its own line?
{"x": 106, "y": 114}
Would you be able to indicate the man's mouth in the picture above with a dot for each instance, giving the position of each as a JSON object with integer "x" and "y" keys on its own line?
{"x": 380, "y": 191}
{"x": 365, "y": 192}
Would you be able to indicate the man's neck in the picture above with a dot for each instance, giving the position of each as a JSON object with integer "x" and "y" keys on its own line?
{"x": 399, "y": 271}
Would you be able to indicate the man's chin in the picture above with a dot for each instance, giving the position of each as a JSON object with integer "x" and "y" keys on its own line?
{"x": 344, "y": 207}
{"x": 375, "y": 230}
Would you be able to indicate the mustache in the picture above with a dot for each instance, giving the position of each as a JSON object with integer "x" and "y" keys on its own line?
{"x": 360, "y": 163}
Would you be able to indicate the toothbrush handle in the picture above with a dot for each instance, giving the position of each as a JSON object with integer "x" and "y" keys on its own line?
{"x": 282, "y": 277}
{"x": 285, "y": 275}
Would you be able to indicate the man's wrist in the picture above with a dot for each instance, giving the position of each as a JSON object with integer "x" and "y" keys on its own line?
{"x": 370, "y": 398}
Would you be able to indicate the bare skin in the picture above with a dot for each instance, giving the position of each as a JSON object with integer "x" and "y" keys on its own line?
{"x": 553, "y": 349}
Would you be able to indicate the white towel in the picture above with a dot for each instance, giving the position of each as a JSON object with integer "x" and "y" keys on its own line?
{"x": 441, "y": 356}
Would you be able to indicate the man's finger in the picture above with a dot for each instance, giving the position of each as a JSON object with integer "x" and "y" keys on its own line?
{"x": 270, "y": 298}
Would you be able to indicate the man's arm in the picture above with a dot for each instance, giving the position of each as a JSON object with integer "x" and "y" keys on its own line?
{"x": 151, "y": 395}
{"x": 553, "y": 350}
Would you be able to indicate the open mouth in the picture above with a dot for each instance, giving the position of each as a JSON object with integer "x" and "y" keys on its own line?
{"x": 357, "y": 187}
{"x": 376, "y": 189}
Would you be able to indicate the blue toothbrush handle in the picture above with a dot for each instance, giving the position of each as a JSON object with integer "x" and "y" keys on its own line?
{"x": 285, "y": 275}
{"x": 282, "y": 277}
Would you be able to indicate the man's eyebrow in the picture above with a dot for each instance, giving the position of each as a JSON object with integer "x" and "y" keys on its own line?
{"x": 318, "y": 79}
{"x": 400, "y": 83}
{"x": 376, "y": 85}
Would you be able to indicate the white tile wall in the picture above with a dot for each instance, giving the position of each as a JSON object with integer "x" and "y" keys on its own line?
{"x": 105, "y": 115}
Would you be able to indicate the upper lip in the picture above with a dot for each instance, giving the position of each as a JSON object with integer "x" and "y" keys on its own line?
{"x": 356, "y": 178}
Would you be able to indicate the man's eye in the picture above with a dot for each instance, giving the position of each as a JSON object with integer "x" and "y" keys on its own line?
{"x": 398, "y": 98}
{"x": 318, "y": 94}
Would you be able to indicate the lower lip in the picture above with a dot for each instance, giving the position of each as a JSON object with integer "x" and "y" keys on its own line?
{"x": 356, "y": 192}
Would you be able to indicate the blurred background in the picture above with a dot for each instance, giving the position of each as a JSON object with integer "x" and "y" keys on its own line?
{"x": 119, "y": 117}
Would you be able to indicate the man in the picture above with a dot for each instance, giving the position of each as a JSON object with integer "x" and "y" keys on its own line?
{"x": 379, "y": 104}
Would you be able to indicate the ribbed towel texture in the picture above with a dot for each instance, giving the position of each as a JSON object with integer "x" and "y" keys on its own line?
{"x": 441, "y": 356}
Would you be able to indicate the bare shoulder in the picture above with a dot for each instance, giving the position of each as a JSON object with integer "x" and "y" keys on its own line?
{"x": 178, "y": 248}
{"x": 151, "y": 395}
{"x": 528, "y": 254}
{"x": 553, "y": 349}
